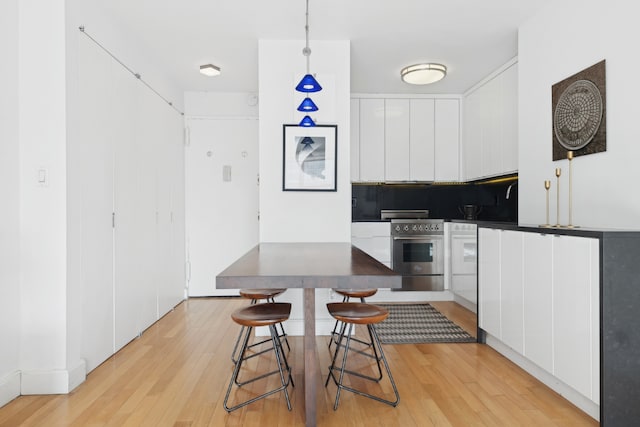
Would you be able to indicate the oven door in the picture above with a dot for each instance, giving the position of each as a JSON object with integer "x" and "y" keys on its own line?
{"x": 464, "y": 255}
{"x": 418, "y": 255}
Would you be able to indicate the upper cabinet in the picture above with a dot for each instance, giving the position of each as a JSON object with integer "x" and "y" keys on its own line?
{"x": 490, "y": 128}
{"x": 371, "y": 142}
{"x": 405, "y": 139}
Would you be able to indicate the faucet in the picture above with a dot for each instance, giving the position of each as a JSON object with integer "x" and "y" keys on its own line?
{"x": 509, "y": 189}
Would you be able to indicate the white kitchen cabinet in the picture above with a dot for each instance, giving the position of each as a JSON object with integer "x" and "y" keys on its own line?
{"x": 422, "y": 140}
{"x": 509, "y": 122}
{"x": 490, "y": 137}
{"x": 537, "y": 292}
{"x": 472, "y": 136}
{"x": 489, "y": 261}
{"x": 373, "y": 238}
{"x": 396, "y": 139}
{"x": 511, "y": 307}
{"x": 573, "y": 310}
{"x": 372, "y": 123}
{"x": 355, "y": 140}
{"x": 447, "y": 140}
{"x": 539, "y": 295}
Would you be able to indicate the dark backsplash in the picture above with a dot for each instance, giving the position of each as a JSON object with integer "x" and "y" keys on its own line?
{"x": 443, "y": 201}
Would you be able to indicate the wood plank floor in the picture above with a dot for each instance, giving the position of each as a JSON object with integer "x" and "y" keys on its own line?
{"x": 176, "y": 374}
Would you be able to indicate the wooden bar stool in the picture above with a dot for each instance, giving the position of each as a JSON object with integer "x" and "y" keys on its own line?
{"x": 355, "y": 313}
{"x": 256, "y": 295}
{"x": 347, "y": 294}
{"x": 266, "y": 314}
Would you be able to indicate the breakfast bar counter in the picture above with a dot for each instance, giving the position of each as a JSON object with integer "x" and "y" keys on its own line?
{"x": 308, "y": 266}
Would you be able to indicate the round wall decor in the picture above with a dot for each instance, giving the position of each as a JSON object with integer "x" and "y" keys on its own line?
{"x": 578, "y": 114}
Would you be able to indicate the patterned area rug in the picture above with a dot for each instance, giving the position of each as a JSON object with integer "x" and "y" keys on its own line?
{"x": 419, "y": 323}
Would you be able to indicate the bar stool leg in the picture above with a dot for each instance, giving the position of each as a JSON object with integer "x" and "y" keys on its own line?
{"x": 281, "y": 361}
{"x": 339, "y": 382}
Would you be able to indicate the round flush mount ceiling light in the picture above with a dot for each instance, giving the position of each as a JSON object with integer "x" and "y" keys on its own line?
{"x": 423, "y": 74}
{"x": 210, "y": 70}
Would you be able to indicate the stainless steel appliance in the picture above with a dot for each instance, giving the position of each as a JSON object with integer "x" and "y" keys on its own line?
{"x": 417, "y": 252}
{"x": 464, "y": 261}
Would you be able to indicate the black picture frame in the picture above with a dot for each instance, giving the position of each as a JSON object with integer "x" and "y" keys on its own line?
{"x": 309, "y": 158}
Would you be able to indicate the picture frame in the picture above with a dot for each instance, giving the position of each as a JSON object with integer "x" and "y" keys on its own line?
{"x": 309, "y": 158}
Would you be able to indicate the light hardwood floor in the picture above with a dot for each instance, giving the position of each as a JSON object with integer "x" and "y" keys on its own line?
{"x": 177, "y": 372}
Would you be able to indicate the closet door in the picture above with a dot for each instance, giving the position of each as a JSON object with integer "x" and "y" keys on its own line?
{"x": 94, "y": 157}
{"x": 128, "y": 249}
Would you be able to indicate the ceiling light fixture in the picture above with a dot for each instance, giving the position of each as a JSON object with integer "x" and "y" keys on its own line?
{"x": 308, "y": 84}
{"x": 209, "y": 70}
{"x": 423, "y": 74}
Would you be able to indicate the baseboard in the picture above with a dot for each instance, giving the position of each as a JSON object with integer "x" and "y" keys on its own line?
{"x": 54, "y": 381}
{"x": 9, "y": 387}
{"x": 583, "y": 403}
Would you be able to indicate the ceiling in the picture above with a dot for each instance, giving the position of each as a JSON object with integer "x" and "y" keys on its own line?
{"x": 472, "y": 38}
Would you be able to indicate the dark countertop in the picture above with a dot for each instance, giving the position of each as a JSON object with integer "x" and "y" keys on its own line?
{"x": 578, "y": 231}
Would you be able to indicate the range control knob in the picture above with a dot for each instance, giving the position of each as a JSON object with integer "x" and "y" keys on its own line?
{"x": 406, "y": 228}
{"x": 415, "y": 227}
{"x": 397, "y": 228}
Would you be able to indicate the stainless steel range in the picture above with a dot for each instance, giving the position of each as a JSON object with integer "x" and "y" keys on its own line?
{"x": 417, "y": 252}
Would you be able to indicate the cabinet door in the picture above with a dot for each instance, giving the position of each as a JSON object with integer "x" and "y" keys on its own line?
{"x": 447, "y": 140}
{"x": 355, "y": 140}
{"x": 491, "y": 128}
{"x": 509, "y": 105}
{"x": 511, "y": 309}
{"x": 572, "y": 311}
{"x": 422, "y": 140}
{"x": 396, "y": 139}
{"x": 489, "y": 280}
{"x": 372, "y": 140}
{"x": 472, "y": 136}
{"x": 537, "y": 277}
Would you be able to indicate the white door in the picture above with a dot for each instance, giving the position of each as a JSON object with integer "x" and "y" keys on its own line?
{"x": 221, "y": 167}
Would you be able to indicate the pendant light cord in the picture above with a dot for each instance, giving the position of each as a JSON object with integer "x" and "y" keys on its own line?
{"x": 307, "y": 51}
{"x": 136, "y": 75}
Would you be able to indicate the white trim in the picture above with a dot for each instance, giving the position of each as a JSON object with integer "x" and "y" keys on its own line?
{"x": 54, "y": 381}
{"x": 583, "y": 403}
{"x": 9, "y": 387}
{"x": 491, "y": 76}
{"x": 405, "y": 96}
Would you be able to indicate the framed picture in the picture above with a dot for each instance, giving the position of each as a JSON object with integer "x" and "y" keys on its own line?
{"x": 309, "y": 161}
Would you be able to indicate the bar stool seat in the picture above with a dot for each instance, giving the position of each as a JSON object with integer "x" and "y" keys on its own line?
{"x": 355, "y": 313}
{"x": 266, "y": 314}
{"x": 256, "y": 295}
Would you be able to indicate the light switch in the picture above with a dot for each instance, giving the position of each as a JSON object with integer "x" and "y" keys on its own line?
{"x": 226, "y": 173}
{"x": 42, "y": 176}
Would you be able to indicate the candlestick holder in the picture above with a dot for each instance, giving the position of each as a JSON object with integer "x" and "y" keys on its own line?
{"x": 547, "y": 186}
{"x": 570, "y": 158}
{"x": 558, "y": 173}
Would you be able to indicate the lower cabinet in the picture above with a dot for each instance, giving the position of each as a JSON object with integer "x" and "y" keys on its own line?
{"x": 539, "y": 295}
{"x": 373, "y": 238}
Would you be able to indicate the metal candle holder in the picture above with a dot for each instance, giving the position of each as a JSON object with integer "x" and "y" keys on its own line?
{"x": 547, "y": 186}
{"x": 558, "y": 173}
{"x": 570, "y": 158}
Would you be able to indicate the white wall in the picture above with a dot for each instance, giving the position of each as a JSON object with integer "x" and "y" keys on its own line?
{"x": 44, "y": 322}
{"x": 561, "y": 40}
{"x": 302, "y": 216}
{"x": 9, "y": 214}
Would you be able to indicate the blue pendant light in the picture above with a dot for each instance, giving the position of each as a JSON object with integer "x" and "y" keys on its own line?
{"x": 307, "y": 105}
{"x": 307, "y": 122}
{"x": 308, "y": 84}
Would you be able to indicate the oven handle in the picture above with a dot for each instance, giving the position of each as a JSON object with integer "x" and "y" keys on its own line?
{"x": 430, "y": 237}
